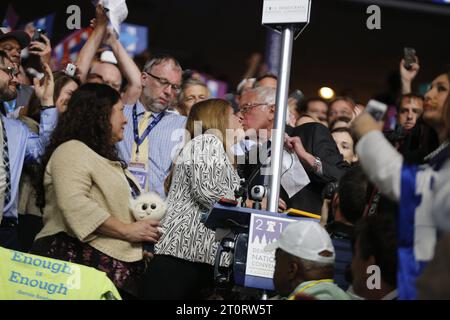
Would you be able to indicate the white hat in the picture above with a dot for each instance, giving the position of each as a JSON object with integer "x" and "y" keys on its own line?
{"x": 305, "y": 239}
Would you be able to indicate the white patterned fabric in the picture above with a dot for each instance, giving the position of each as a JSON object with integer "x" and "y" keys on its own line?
{"x": 203, "y": 174}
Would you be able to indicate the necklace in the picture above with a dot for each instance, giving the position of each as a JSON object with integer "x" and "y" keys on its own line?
{"x": 438, "y": 150}
{"x": 312, "y": 284}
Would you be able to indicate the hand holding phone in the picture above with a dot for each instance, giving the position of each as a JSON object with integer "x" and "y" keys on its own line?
{"x": 37, "y": 36}
{"x": 409, "y": 56}
{"x": 376, "y": 109}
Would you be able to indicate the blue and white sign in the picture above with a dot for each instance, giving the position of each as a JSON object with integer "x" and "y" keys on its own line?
{"x": 264, "y": 229}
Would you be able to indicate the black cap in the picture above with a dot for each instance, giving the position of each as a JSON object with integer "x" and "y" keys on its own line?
{"x": 21, "y": 36}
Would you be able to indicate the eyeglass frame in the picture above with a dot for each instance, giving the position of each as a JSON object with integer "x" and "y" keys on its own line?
{"x": 248, "y": 106}
{"x": 164, "y": 82}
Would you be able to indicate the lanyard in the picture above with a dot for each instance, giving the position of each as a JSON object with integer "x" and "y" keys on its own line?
{"x": 292, "y": 297}
{"x": 141, "y": 139}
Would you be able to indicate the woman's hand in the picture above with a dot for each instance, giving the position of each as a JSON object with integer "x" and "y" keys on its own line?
{"x": 364, "y": 123}
{"x": 45, "y": 90}
{"x": 143, "y": 231}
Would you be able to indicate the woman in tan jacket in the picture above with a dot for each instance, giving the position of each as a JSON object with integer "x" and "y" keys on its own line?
{"x": 85, "y": 191}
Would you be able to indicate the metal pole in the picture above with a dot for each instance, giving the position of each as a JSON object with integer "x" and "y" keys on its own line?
{"x": 280, "y": 117}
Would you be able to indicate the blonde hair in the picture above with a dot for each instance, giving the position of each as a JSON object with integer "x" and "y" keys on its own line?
{"x": 212, "y": 115}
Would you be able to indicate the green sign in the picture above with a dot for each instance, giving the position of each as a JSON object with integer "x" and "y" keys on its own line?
{"x": 26, "y": 276}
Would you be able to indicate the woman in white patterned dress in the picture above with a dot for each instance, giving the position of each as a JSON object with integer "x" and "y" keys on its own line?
{"x": 203, "y": 173}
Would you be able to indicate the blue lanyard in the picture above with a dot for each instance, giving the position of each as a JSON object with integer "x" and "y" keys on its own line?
{"x": 138, "y": 140}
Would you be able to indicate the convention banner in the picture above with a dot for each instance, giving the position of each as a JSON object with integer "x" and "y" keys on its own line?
{"x": 264, "y": 229}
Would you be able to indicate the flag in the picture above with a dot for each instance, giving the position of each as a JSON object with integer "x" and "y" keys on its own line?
{"x": 67, "y": 50}
{"x": 10, "y": 20}
{"x": 409, "y": 266}
{"x": 45, "y": 23}
{"x": 133, "y": 38}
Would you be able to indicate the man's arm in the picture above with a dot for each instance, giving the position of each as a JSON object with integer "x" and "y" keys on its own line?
{"x": 49, "y": 115}
{"x": 324, "y": 160}
{"x": 407, "y": 76}
{"x": 89, "y": 49}
{"x": 127, "y": 67}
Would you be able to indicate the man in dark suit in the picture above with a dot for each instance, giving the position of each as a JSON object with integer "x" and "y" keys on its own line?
{"x": 312, "y": 143}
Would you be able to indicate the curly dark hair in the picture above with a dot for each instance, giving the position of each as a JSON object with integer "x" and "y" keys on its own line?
{"x": 87, "y": 119}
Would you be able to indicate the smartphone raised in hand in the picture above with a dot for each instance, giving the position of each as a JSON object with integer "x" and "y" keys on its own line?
{"x": 409, "y": 56}
{"x": 37, "y": 36}
{"x": 376, "y": 109}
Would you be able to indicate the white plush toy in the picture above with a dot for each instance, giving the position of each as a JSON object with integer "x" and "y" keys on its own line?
{"x": 148, "y": 206}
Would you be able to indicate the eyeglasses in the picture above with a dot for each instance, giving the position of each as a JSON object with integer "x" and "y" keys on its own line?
{"x": 164, "y": 83}
{"x": 249, "y": 106}
{"x": 11, "y": 71}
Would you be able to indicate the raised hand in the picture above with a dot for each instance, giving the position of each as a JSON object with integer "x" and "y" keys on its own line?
{"x": 407, "y": 76}
{"x": 101, "y": 19}
{"x": 45, "y": 90}
{"x": 42, "y": 49}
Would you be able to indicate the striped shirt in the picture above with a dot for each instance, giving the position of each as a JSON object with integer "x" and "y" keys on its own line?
{"x": 166, "y": 139}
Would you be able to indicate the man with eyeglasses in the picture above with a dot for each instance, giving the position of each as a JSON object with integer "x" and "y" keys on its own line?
{"x": 312, "y": 157}
{"x": 153, "y": 134}
{"x": 18, "y": 145}
{"x": 12, "y": 43}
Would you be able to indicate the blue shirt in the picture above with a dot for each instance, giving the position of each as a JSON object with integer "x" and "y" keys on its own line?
{"x": 24, "y": 146}
{"x": 166, "y": 139}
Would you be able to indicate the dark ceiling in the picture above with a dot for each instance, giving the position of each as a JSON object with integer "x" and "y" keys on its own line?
{"x": 336, "y": 49}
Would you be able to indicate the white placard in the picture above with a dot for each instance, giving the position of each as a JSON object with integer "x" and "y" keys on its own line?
{"x": 286, "y": 11}
{"x": 294, "y": 177}
{"x": 264, "y": 229}
{"x": 117, "y": 12}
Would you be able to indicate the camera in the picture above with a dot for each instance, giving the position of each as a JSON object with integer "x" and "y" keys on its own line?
{"x": 409, "y": 57}
{"x": 330, "y": 190}
{"x": 258, "y": 193}
{"x": 37, "y": 36}
{"x": 70, "y": 69}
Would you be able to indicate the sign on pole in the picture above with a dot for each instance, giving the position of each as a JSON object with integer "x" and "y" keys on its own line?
{"x": 277, "y": 13}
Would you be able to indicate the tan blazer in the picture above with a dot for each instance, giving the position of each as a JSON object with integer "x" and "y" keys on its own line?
{"x": 82, "y": 190}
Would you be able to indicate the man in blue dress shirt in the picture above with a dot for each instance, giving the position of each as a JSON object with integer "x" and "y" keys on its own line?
{"x": 153, "y": 136}
{"x": 19, "y": 144}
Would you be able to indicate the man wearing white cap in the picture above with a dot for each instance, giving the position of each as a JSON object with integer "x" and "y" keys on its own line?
{"x": 304, "y": 265}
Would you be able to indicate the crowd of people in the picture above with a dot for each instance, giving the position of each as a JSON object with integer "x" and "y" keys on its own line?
{"x": 77, "y": 147}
